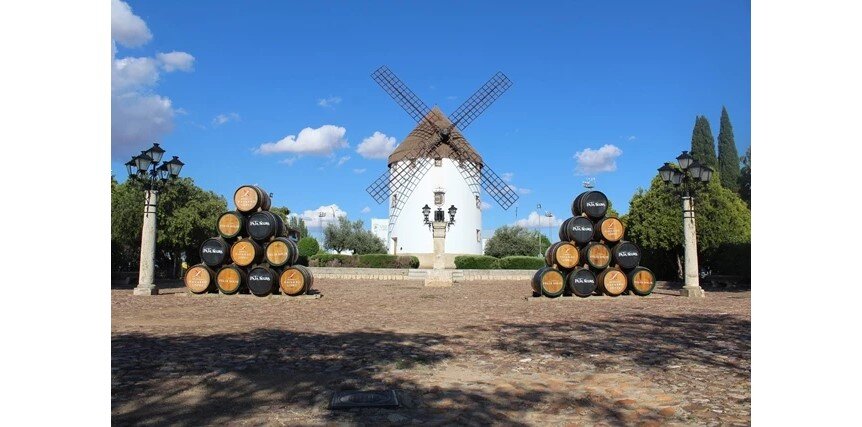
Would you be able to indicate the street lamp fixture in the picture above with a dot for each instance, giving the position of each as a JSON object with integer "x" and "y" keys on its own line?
{"x": 685, "y": 179}
{"x": 148, "y": 169}
{"x": 439, "y": 216}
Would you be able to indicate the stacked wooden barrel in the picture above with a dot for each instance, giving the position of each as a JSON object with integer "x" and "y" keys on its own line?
{"x": 254, "y": 252}
{"x": 591, "y": 257}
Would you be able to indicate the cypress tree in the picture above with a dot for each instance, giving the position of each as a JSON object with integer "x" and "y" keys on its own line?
{"x": 703, "y": 143}
{"x": 728, "y": 156}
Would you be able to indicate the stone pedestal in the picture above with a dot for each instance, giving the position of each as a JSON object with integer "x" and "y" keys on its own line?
{"x": 692, "y": 274}
{"x": 146, "y": 285}
{"x": 439, "y": 276}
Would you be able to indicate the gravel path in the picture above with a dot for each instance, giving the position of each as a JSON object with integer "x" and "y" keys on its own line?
{"x": 477, "y": 353}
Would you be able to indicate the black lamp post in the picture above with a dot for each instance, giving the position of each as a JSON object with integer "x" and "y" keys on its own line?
{"x": 438, "y": 216}
{"x": 147, "y": 169}
{"x": 684, "y": 179}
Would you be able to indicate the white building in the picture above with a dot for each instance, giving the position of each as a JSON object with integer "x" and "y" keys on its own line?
{"x": 441, "y": 187}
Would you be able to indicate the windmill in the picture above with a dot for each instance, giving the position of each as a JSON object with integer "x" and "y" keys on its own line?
{"x": 437, "y": 141}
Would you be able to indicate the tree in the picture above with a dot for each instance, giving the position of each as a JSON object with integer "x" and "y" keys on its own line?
{"x": 294, "y": 222}
{"x": 728, "y": 156}
{"x": 513, "y": 240}
{"x": 352, "y": 236}
{"x": 745, "y": 178}
{"x": 186, "y": 216}
{"x": 308, "y": 246}
{"x": 703, "y": 144}
{"x": 654, "y": 222}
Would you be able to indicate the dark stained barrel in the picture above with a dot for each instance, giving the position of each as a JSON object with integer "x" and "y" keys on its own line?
{"x": 262, "y": 280}
{"x": 251, "y": 198}
{"x": 612, "y": 281}
{"x": 230, "y": 224}
{"x": 295, "y": 280}
{"x": 200, "y": 279}
{"x": 265, "y": 225}
{"x": 596, "y": 255}
{"x": 593, "y": 204}
{"x": 231, "y": 278}
{"x": 246, "y": 252}
{"x": 577, "y": 229}
{"x": 626, "y": 255}
{"x": 281, "y": 251}
{"x": 564, "y": 255}
{"x": 641, "y": 281}
{"x": 610, "y": 229}
{"x": 548, "y": 281}
{"x": 215, "y": 252}
{"x": 581, "y": 282}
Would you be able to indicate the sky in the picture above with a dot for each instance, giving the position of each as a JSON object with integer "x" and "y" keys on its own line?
{"x": 279, "y": 94}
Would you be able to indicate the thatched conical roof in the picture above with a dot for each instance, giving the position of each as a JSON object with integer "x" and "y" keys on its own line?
{"x": 410, "y": 147}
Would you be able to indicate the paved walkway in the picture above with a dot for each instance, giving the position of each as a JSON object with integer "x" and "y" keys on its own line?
{"x": 476, "y": 353}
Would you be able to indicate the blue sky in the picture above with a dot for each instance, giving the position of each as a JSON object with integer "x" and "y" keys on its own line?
{"x": 237, "y": 75}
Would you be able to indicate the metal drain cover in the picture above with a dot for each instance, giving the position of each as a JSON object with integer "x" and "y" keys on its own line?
{"x": 364, "y": 399}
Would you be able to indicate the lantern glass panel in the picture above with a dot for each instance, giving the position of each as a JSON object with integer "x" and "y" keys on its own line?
{"x": 685, "y": 160}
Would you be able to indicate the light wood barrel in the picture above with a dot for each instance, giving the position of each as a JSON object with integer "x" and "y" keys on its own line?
{"x": 577, "y": 229}
{"x": 610, "y": 229}
{"x": 251, "y": 198}
{"x": 562, "y": 254}
{"x": 641, "y": 281}
{"x": 262, "y": 280}
{"x": 231, "y": 224}
{"x": 626, "y": 255}
{"x": 215, "y": 252}
{"x": 230, "y": 279}
{"x": 265, "y": 225}
{"x": 246, "y": 252}
{"x": 548, "y": 281}
{"x": 581, "y": 282}
{"x": 281, "y": 251}
{"x": 295, "y": 280}
{"x": 612, "y": 281}
{"x": 596, "y": 255}
{"x": 200, "y": 279}
{"x": 593, "y": 204}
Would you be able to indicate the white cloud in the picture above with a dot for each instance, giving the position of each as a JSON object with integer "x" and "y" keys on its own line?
{"x": 127, "y": 28}
{"x": 535, "y": 220}
{"x": 313, "y": 219}
{"x": 322, "y": 141}
{"x": 631, "y": 138}
{"x": 507, "y": 176}
{"x": 377, "y": 146}
{"x": 138, "y": 115}
{"x": 485, "y": 206}
{"x": 343, "y": 160}
{"x": 224, "y": 118}
{"x": 451, "y": 97}
{"x": 366, "y": 209}
{"x": 591, "y": 161}
{"x": 288, "y": 161}
{"x": 359, "y": 171}
{"x": 330, "y": 102}
{"x": 173, "y": 61}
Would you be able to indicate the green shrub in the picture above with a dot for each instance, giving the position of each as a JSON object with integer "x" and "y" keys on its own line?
{"x": 308, "y": 246}
{"x": 377, "y": 261}
{"x": 414, "y": 262}
{"x": 333, "y": 260}
{"x": 521, "y": 263}
{"x": 476, "y": 262}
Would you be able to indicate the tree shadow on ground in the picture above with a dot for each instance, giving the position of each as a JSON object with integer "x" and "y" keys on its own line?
{"x": 215, "y": 379}
{"x": 716, "y": 341}
{"x": 272, "y": 376}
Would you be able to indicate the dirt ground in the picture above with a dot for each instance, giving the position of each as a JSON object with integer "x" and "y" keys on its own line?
{"x": 477, "y": 353}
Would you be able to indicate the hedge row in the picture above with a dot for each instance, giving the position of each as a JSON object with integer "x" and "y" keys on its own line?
{"x": 364, "y": 261}
{"x": 484, "y": 262}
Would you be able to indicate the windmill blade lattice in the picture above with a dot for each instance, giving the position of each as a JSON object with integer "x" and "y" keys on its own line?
{"x": 480, "y": 101}
{"x": 403, "y": 96}
{"x": 497, "y": 188}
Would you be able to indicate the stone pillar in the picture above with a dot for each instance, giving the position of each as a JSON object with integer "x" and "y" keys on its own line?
{"x": 438, "y": 275}
{"x": 439, "y": 245}
{"x": 146, "y": 284}
{"x": 692, "y": 274}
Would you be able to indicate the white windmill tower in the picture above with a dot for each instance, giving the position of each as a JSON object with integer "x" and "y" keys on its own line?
{"x": 435, "y": 169}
